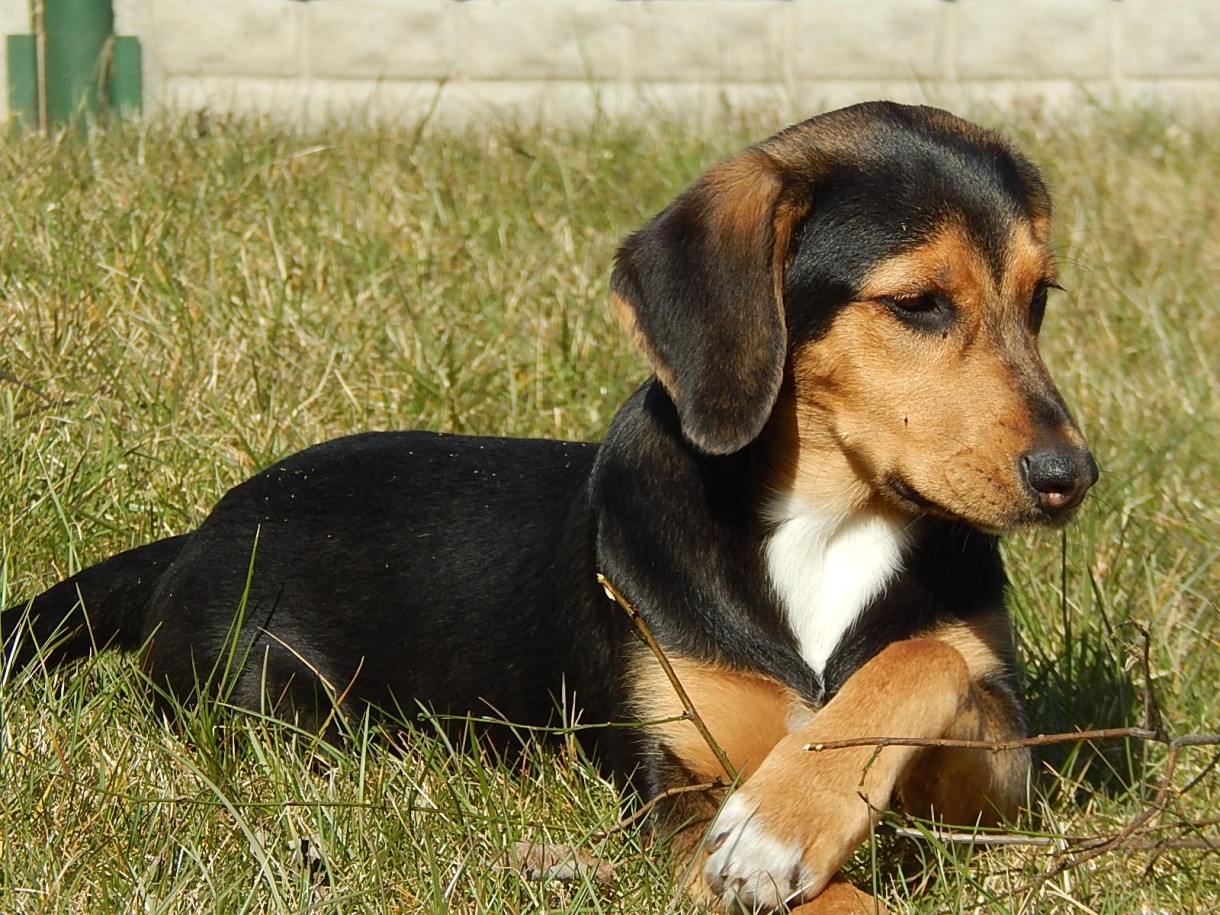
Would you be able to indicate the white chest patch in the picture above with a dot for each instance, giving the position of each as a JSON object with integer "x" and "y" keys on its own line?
{"x": 827, "y": 567}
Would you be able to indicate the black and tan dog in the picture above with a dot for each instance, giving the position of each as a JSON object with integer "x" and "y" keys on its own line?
{"x": 848, "y": 407}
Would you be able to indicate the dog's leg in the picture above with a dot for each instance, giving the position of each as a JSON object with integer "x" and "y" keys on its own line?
{"x": 747, "y": 716}
{"x": 966, "y": 786}
{"x": 842, "y": 898}
{"x": 784, "y": 834}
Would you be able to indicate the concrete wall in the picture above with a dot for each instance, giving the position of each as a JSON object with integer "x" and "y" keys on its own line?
{"x": 563, "y": 59}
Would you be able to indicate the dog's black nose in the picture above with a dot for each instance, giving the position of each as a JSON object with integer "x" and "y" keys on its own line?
{"x": 1059, "y": 474}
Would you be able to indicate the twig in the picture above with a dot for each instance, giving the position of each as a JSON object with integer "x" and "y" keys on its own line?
{"x": 1206, "y": 771}
{"x": 1137, "y": 822}
{"x": 1081, "y": 849}
{"x": 948, "y": 837}
{"x": 615, "y": 595}
{"x": 1152, "y": 708}
{"x": 1184, "y": 740}
{"x": 652, "y": 802}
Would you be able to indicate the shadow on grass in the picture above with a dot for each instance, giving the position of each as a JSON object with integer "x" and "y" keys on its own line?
{"x": 1087, "y": 684}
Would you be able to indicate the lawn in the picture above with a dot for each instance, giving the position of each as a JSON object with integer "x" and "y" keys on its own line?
{"x": 184, "y": 302}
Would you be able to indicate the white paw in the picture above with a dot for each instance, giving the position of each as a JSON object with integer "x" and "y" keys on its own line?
{"x": 749, "y": 867}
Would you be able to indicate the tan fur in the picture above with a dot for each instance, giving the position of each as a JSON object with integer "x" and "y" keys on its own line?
{"x": 842, "y": 898}
{"x": 743, "y": 192}
{"x": 749, "y": 210}
{"x": 629, "y": 321}
{"x": 825, "y": 801}
{"x": 799, "y": 454}
{"x": 929, "y": 687}
{"x": 984, "y": 642}
{"x": 1029, "y": 261}
{"x": 746, "y": 713}
{"x": 788, "y": 215}
{"x": 803, "y": 151}
{"x": 838, "y": 898}
{"x": 950, "y": 415}
{"x": 967, "y": 786}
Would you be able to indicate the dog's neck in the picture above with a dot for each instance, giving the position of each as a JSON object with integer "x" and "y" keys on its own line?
{"x": 827, "y": 566}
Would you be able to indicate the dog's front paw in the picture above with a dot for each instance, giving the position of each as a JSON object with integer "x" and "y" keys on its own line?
{"x": 752, "y": 866}
{"x": 777, "y": 842}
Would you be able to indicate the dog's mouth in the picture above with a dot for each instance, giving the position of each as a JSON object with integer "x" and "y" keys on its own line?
{"x": 908, "y": 499}
{"x": 911, "y": 498}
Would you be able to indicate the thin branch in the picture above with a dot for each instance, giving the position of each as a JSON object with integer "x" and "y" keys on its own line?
{"x": 947, "y": 837}
{"x": 1206, "y": 771}
{"x": 652, "y": 802}
{"x": 1184, "y": 740}
{"x": 1152, "y": 708}
{"x": 615, "y": 595}
{"x": 1135, "y": 835}
{"x": 1079, "y": 849}
{"x": 1135, "y": 825}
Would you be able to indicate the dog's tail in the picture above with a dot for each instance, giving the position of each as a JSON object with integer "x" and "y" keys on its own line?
{"x": 99, "y": 607}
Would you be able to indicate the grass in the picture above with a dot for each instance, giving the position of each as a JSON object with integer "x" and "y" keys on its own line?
{"x": 184, "y": 302}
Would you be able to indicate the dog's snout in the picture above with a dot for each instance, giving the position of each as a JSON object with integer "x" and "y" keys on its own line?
{"x": 1059, "y": 475}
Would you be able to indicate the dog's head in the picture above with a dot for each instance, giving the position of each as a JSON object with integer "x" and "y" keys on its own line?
{"x": 863, "y": 292}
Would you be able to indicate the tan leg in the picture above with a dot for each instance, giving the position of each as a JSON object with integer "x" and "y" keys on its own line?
{"x": 785, "y": 833}
{"x": 748, "y": 715}
{"x": 974, "y": 786}
{"x": 842, "y": 898}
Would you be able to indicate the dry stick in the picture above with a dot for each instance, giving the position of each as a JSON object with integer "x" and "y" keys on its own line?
{"x": 1156, "y": 807}
{"x": 1013, "y": 839}
{"x": 1084, "y": 849}
{"x": 957, "y": 837}
{"x": 688, "y": 707}
{"x": 652, "y": 802}
{"x": 1206, "y": 771}
{"x": 1152, "y": 708}
{"x": 1173, "y": 743}
{"x": 1185, "y": 740}
{"x": 948, "y": 837}
{"x": 1102, "y": 846}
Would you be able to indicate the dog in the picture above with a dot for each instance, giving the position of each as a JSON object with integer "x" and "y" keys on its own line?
{"x": 802, "y": 504}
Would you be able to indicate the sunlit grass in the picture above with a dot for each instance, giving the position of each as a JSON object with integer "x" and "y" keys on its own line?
{"x": 179, "y": 307}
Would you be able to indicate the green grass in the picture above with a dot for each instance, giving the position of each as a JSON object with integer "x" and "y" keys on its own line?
{"x": 183, "y": 303}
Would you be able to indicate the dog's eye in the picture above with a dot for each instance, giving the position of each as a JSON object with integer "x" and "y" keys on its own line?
{"x": 1037, "y": 306}
{"x": 927, "y": 311}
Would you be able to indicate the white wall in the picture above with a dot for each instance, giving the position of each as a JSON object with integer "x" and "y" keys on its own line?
{"x": 563, "y": 59}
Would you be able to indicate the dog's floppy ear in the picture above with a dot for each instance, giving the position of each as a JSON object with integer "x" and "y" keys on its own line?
{"x": 701, "y": 289}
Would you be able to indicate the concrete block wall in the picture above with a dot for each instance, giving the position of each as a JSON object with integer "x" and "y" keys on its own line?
{"x": 566, "y": 59}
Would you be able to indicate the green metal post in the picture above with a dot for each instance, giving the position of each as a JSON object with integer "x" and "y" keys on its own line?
{"x": 22, "y": 54}
{"x": 126, "y": 88}
{"x": 77, "y": 35}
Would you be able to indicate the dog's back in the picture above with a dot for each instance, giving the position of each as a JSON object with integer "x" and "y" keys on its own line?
{"x": 397, "y": 569}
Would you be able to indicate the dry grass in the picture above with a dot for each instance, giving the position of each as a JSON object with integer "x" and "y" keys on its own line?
{"x": 179, "y": 308}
